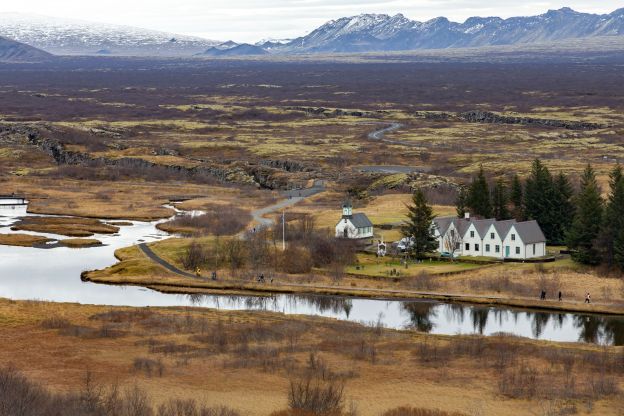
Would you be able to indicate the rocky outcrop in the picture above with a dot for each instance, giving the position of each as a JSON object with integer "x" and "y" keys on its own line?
{"x": 286, "y": 165}
{"x": 477, "y": 116}
{"x": 327, "y": 112}
{"x": 270, "y": 174}
{"x": 488, "y": 117}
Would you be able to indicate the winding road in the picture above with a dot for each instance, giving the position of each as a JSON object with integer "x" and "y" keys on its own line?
{"x": 293, "y": 197}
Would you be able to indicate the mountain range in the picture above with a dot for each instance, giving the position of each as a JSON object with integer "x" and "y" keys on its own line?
{"x": 13, "y": 51}
{"x": 380, "y": 32}
{"x": 77, "y": 37}
{"x": 363, "y": 33}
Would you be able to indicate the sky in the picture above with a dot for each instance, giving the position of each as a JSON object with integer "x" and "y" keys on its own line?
{"x": 253, "y": 20}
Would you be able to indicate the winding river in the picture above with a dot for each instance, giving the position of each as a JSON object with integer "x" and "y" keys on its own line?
{"x": 54, "y": 275}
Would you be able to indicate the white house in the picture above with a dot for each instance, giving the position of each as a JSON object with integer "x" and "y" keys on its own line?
{"x": 490, "y": 238}
{"x": 353, "y": 226}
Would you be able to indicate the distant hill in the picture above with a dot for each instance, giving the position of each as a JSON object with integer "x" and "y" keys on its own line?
{"x": 12, "y": 51}
{"x": 243, "y": 49}
{"x": 76, "y": 37}
{"x": 380, "y": 32}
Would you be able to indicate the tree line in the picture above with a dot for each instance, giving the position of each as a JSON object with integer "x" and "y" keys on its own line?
{"x": 591, "y": 227}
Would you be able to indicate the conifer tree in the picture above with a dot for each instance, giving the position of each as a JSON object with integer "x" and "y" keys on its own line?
{"x": 478, "y": 199}
{"x": 539, "y": 197}
{"x": 500, "y": 200}
{"x": 516, "y": 197}
{"x": 462, "y": 200}
{"x": 419, "y": 226}
{"x": 562, "y": 208}
{"x": 613, "y": 222}
{"x": 587, "y": 220}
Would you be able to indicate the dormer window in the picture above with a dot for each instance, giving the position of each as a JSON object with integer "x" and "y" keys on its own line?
{"x": 513, "y": 237}
{"x": 471, "y": 234}
{"x": 492, "y": 236}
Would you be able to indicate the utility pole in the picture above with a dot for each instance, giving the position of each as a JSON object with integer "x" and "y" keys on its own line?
{"x": 284, "y": 230}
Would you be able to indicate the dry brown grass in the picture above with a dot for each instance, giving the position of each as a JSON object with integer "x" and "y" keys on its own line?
{"x": 22, "y": 240}
{"x": 251, "y": 358}
{"x": 80, "y": 242}
{"x": 69, "y": 226}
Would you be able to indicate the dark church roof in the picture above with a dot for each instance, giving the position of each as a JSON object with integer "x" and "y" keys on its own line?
{"x": 361, "y": 220}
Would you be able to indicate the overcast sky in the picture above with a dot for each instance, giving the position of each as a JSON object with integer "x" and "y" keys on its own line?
{"x": 252, "y": 20}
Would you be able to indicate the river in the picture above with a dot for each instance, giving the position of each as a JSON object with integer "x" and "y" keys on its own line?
{"x": 54, "y": 275}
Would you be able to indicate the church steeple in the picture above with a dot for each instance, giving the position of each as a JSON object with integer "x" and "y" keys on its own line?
{"x": 347, "y": 209}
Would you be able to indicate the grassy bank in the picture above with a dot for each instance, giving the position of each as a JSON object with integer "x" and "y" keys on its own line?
{"x": 253, "y": 357}
{"x": 516, "y": 285}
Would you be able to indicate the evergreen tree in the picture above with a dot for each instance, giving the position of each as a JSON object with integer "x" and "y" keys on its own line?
{"x": 478, "y": 199}
{"x": 500, "y": 200}
{"x": 587, "y": 220}
{"x": 618, "y": 250}
{"x": 613, "y": 222}
{"x": 516, "y": 197}
{"x": 462, "y": 200}
{"x": 419, "y": 226}
{"x": 539, "y": 199}
{"x": 563, "y": 208}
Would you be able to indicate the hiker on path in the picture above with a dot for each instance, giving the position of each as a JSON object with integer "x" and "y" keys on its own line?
{"x": 587, "y": 298}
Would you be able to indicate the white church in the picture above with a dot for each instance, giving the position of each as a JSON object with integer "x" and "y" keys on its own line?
{"x": 353, "y": 226}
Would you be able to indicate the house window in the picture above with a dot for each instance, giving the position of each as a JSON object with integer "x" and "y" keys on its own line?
{"x": 533, "y": 249}
{"x": 492, "y": 236}
{"x": 452, "y": 233}
{"x": 487, "y": 248}
{"x": 471, "y": 234}
{"x": 457, "y": 246}
{"x": 517, "y": 250}
{"x": 497, "y": 249}
{"x": 513, "y": 237}
{"x": 467, "y": 246}
{"x": 476, "y": 247}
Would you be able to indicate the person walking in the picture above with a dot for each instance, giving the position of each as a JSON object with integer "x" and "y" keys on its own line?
{"x": 587, "y": 298}
{"x": 560, "y": 296}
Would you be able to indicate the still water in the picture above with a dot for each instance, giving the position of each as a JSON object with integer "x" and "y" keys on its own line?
{"x": 54, "y": 275}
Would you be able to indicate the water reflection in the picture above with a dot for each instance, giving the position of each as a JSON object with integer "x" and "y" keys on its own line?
{"x": 425, "y": 317}
{"x": 54, "y": 275}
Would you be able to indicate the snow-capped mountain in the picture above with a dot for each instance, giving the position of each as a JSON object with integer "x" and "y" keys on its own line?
{"x": 76, "y": 37}
{"x": 380, "y": 32}
{"x": 12, "y": 51}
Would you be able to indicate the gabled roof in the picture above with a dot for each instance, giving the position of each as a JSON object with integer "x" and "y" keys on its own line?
{"x": 503, "y": 227}
{"x": 483, "y": 226}
{"x": 530, "y": 232}
{"x": 360, "y": 220}
{"x": 444, "y": 223}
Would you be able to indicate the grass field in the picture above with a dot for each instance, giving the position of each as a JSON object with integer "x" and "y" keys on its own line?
{"x": 251, "y": 358}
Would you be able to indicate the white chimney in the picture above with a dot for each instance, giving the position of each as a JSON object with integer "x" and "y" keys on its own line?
{"x": 467, "y": 216}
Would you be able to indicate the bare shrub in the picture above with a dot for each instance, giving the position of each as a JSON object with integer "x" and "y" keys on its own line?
{"x": 149, "y": 367}
{"x": 295, "y": 260}
{"x": 235, "y": 253}
{"x": 218, "y": 220}
{"x": 519, "y": 382}
{"x": 316, "y": 396}
{"x": 417, "y": 411}
{"x": 55, "y": 322}
{"x": 195, "y": 256}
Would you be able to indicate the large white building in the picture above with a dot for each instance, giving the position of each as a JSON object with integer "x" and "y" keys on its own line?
{"x": 353, "y": 226}
{"x": 490, "y": 238}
